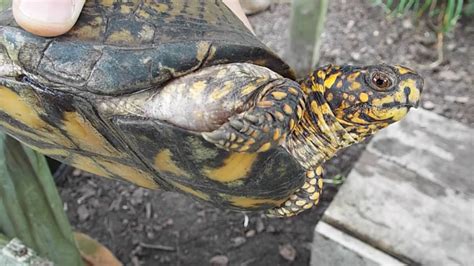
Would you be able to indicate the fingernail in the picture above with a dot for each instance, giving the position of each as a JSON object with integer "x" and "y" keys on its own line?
{"x": 48, "y": 11}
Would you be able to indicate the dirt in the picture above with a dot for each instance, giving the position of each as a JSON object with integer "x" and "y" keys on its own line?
{"x": 144, "y": 227}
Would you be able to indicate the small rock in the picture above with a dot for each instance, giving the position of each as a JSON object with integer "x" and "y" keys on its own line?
{"x": 76, "y": 172}
{"x": 355, "y": 55}
{"x": 350, "y": 24}
{"x": 450, "y": 75}
{"x": 219, "y": 260}
{"x": 407, "y": 24}
{"x": 83, "y": 213}
{"x": 250, "y": 233}
{"x": 389, "y": 41}
{"x": 428, "y": 105}
{"x": 271, "y": 229}
{"x": 150, "y": 235}
{"x": 137, "y": 196}
{"x": 456, "y": 99}
{"x": 376, "y": 33}
{"x": 288, "y": 252}
{"x": 238, "y": 241}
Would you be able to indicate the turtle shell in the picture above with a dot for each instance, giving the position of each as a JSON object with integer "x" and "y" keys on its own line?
{"x": 121, "y": 48}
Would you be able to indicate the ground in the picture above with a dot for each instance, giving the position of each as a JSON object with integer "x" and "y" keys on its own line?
{"x": 149, "y": 227}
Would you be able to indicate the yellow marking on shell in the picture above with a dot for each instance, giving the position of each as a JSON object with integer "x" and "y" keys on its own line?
{"x": 197, "y": 193}
{"x": 146, "y": 33}
{"x": 293, "y": 91}
{"x": 160, "y": 7}
{"x": 89, "y": 165}
{"x": 310, "y": 174}
{"x": 364, "y": 97}
{"x": 85, "y": 135}
{"x": 313, "y": 181}
{"x": 352, "y": 98}
{"x": 318, "y": 87}
{"x": 143, "y": 14}
{"x": 164, "y": 162}
{"x": 22, "y": 111}
{"x": 352, "y": 77}
{"x": 197, "y": 88}
{"x": 23, "y": 133}
{"x": 287, "y": 109}
{"x": 355, "y": 85}
{"x": 92, "y": 30}
{"x": 129, "y": 173}
{"x": 311, "y": 189}
{"x": 219, "y": 94}
{"x": 124, "y": 9}
{"x": 403, "y": 70}
{"x": 308, "y": 206}
{"x": 279, "y": 95}
{"x": 339, "y": 84}
{"x": 123, "y": 35}
{"x": 107, "y": 3}
{"x": 319, "y": 170}
{"x": 329, "y": 81}
{"x": 251, "y": 202}
{"x": 305, "y": 185}
{"x": 244, "y": 148}
{"x": 235, "y": 167}
{"x": 265, "y": 147}
{"x": 13, "y": 105}
{"x": 202, "y": 50}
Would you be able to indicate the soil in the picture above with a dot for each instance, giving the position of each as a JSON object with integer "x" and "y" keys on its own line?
{"x": 143, "y": 227}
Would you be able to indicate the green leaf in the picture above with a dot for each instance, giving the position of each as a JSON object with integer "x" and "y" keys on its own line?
{"x": 30, "y": 206}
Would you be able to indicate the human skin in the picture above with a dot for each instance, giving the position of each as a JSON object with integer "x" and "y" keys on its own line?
{"x": 54, "y": 17}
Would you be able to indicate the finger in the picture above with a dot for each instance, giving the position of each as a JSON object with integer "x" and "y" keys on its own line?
{"x": 47, "y": 17}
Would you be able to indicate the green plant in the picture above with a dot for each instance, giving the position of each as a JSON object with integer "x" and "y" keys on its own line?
{"x": 442, "y": 14}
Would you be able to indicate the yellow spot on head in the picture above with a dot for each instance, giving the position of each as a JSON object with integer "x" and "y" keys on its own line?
{"x": 403, "y": 70}
{"x": 328, "y": 82}
{"x": 339, "y": 84}
{"x": 364, "y": 97}
{"x": 355, "y": 85}
{"x": 352, "y": 77}
{"x": 235, "y": 167}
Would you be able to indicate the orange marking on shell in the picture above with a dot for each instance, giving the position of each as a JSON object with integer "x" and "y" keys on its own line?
{"x": 279, "y": 95}
{"x": 287, "y": 109}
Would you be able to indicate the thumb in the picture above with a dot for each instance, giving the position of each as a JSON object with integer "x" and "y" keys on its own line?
{"x": 47, "y": 17}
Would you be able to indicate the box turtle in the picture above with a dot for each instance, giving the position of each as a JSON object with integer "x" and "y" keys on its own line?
{"x": 180, "y": 95}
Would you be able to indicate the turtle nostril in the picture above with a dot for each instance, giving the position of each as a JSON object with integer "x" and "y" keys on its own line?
{"x": 20, "y": 77}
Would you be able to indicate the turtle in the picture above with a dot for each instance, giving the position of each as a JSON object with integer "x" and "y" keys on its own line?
{"x": 181, "y": 96}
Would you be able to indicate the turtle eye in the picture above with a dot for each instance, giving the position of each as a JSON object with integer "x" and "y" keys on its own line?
{"x": 381, "y": 81}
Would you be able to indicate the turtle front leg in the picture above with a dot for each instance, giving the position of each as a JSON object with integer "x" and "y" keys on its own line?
{"x": 265, "y": 124}
{"x": 304, "y": 198}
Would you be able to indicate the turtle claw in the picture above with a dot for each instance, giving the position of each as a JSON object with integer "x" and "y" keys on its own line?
{"x": 304, "y": 198}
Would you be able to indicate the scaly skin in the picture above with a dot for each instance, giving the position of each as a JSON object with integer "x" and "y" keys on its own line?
{"x": 334, "y": 108}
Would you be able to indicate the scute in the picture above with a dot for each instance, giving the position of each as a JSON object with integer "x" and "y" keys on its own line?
{"x": 120, "y": 47}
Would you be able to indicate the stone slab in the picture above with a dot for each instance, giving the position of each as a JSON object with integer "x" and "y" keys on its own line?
{"x": 411, "y": 194}
{"x": 334, "y": 247}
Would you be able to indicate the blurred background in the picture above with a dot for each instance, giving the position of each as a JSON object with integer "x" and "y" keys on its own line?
{"x": 149, "y": 228}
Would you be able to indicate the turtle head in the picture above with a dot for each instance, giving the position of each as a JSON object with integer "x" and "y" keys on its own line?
{"x": 366, "y": 99}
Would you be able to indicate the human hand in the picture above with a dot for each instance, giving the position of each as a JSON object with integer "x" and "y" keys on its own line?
{"x": 55, "y": 17}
